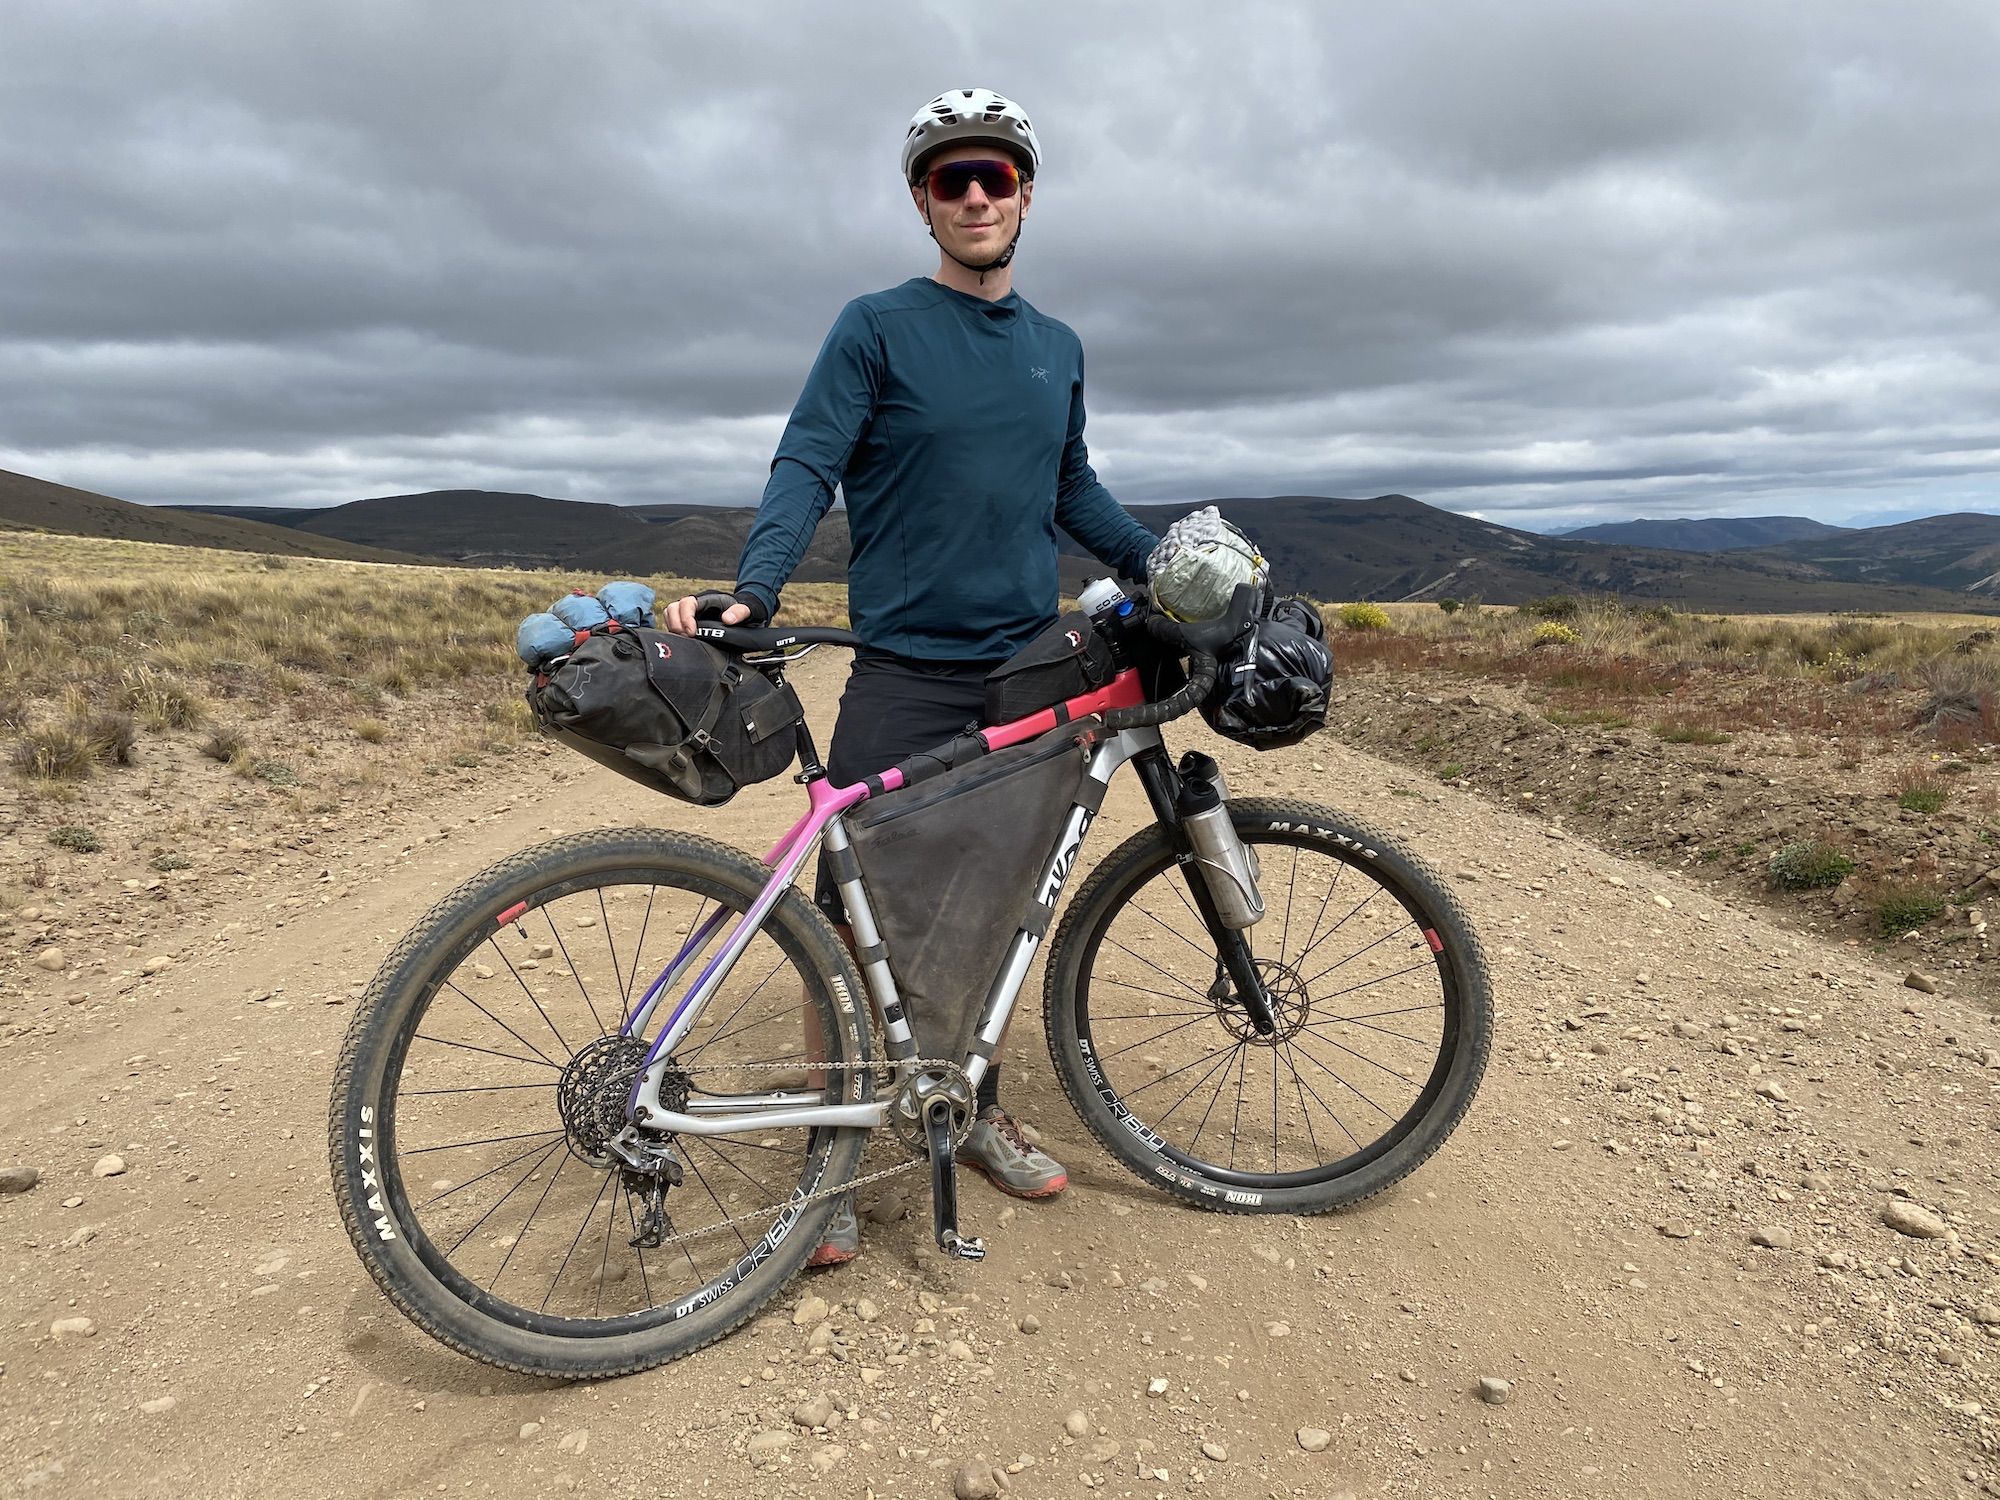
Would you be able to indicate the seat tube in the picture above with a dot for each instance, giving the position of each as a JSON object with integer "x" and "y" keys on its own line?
{"x": 868, "y": 949}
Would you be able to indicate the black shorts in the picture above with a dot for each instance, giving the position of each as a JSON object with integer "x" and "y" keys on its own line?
{"x": 892, "y": 708}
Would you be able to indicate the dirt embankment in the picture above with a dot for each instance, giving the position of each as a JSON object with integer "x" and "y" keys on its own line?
{"x": 1718, "y": 813}
{"x": 1725, "y": 1215}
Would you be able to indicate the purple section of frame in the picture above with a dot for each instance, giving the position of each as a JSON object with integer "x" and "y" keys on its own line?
{"x": 786, "y": 855}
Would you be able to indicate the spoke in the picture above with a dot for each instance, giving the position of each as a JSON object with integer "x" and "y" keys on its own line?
{"x": 570, "y": 964}
{"x": 1351, "y": 915}
{"x": 617, "y": 969}
{"x": 1225, "y": 1059}
{"x": 721, "y": 1032}
{"x": 1164, "y": 1077}
{"x": 1401, "y": 1010}
{"x": 1235, "y": 1124}
{"x": 526, "y": 1135}
{"x": 1151, "y": 1015}
{"x": 721, "y": 1211}
{"x": 477, "y": 1088}
{"x": 1202, "y": 1002}
{"x": 1332, "y": 1113}
{"x": 530, "y": 1151}
{"x": 632, "y": 978}
{"x": 502, "y": 1025}
{"x": 717, "y": 1153}
{"x": 1200, "y": 951}
{"x": 468, "y": 1047}
{"x": 568, "y": 1050}
{"x": 1298, "y": 1092}
{"x": 1366, "y": 983}
{"x": 1274, "y": 1109}
{"x": 1291, "y": 887}
{"x": 1309, "y": 1057}
{"x": 588, "y": 1214}
{"x": 1148, "y": 963}
{"x": 1183, "y": 896}
{"x": 532, "y": 1167}
{"x": 632, "y": 1218}
{"x": 1146, "y": 1041}
{"x": 1369, "y": 1060}
{"x": 495, "y": 1279}
{"x": 1365, "y": 1026}
{"x": 604, "y": 1258}
{"x": 1203, "y": 1122}
{"x": 1332, "y": 885}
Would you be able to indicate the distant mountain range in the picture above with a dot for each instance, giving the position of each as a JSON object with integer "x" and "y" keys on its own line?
{"x": 1390, "y": 547}
{"x": 1708, "y": 534}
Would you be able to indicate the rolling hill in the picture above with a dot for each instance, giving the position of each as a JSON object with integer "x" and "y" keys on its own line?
{"x": 29, "y": 504}
{"x": 1706, "y": 534}
{"x": 1959, "y": 552}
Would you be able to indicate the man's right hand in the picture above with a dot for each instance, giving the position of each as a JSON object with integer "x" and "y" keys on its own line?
{"x": 679, "y": 617}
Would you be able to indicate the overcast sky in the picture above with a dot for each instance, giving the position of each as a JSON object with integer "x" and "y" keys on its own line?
{"x": 1551, "y": 261}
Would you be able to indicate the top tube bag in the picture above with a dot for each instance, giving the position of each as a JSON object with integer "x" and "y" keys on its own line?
{"x": 950, "y": 866}
{"x": 671, "y": 712}
{"x": 1067, "y": 660}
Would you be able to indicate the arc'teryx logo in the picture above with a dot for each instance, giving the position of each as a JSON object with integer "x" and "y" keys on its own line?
{"x": 1039, "y": 372}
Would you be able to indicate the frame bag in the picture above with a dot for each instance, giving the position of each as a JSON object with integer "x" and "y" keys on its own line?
{"x": 951, "y": 865}
{"x": 1065, "y": 661}
{"x": 671, "y": 712}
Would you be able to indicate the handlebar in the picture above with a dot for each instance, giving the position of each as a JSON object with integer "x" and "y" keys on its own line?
{"x": 742, "y": 638}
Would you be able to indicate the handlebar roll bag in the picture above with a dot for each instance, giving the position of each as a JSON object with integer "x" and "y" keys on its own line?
{"x": 951, "y": 867}
{"x": 673, "y": 713}
{"x": 1272, "y": 684}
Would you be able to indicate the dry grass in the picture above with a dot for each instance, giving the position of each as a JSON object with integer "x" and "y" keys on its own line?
{"x": 1812, "y": 675}
{"x": 180, "y": 630}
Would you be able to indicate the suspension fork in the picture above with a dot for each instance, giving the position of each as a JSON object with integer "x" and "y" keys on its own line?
{"x": 1156, "y": 774}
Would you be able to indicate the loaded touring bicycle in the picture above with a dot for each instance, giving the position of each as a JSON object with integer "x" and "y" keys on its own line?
{"x": 596, "y": 1107}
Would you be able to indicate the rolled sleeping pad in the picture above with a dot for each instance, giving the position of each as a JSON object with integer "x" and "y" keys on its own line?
{"x": 541, "y": 638}
{"x": 629, "y": 603}
{"x": 580, "y": 611}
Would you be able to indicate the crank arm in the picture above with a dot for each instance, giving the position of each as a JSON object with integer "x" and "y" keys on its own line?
{"x": 944, "y": 1184}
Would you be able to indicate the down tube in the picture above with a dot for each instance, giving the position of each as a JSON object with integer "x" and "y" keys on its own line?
{"x": 1006, "y": 988}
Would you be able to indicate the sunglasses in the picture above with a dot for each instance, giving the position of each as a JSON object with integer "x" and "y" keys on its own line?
{"x": 951, "y": 182}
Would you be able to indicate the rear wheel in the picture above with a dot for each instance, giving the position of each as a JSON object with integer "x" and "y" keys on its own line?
{"x": 1383, "y": 1010}
{"x": 485, "y": 1072}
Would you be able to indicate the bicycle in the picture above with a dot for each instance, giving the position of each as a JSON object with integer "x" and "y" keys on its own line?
{"x": 700, "y": 1127}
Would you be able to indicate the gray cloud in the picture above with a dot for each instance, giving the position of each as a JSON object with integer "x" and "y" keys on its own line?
{"x": 1554, "y": 261}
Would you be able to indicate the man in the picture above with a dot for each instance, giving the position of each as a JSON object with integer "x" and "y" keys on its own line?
{"x": 950, "y": 414}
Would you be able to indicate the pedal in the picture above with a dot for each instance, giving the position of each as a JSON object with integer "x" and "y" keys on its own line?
{"x": 944, "y": 1184}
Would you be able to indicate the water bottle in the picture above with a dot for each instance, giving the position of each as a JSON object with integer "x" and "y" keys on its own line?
{"x": 1228, "y": 866}
{"x": 1110, "y": 610}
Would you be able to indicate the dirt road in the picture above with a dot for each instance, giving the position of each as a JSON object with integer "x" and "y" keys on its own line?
{"x": 1672, "y": 1078}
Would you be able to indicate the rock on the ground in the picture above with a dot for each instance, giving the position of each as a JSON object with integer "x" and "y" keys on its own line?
{"x": 1314, "y": 1439}
{"x": 1077, "y": 1424}
{"x": 1030, "y": 1323}
{"x": 765, "y": 1446}
{"x": 810, "y": 1310}
{"x": 109, "y": 1166}
{"x": 1494, "y": 1391}
{"x": 50, "y": 959}
{"x": 1922, "y": 983}
{"x": 815, "y": 1412}
{"x": 73, "y": 1328}
{"x": 158, "y": 1405}
{"x": 1156, "y": 1387}
{"x": 1913, "y": 1219}
{"x": 156, "y": 965}
{"x": 18, "y": 1179}
{"x": 1214, "y": 1452}
{"x": 1772, "y": 1237}
{"x": 975, "y": 1480}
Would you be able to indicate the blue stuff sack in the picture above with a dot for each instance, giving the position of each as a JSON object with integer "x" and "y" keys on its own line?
{"x": 630, "y": 604}
{"x": 541, "y": 638}
{"x": 580, "y": 611}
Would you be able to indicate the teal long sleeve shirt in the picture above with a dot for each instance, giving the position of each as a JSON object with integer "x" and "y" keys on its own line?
{"x": 953, "y": 428}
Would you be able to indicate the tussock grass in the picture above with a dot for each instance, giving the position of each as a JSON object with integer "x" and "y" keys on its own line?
{"x": 1809, "y": 865}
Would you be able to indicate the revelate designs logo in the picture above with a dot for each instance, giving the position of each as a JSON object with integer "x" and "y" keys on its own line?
{"x": 661, "y": 647}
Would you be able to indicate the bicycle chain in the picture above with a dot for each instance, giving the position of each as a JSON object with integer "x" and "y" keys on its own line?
{"x": 922, "y": 1063}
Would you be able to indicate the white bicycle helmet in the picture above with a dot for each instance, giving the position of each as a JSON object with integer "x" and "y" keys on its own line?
{"x": 962, "y": 117}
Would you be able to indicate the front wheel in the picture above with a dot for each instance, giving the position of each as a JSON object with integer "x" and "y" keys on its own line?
{"x": 1383, "y": 1009}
